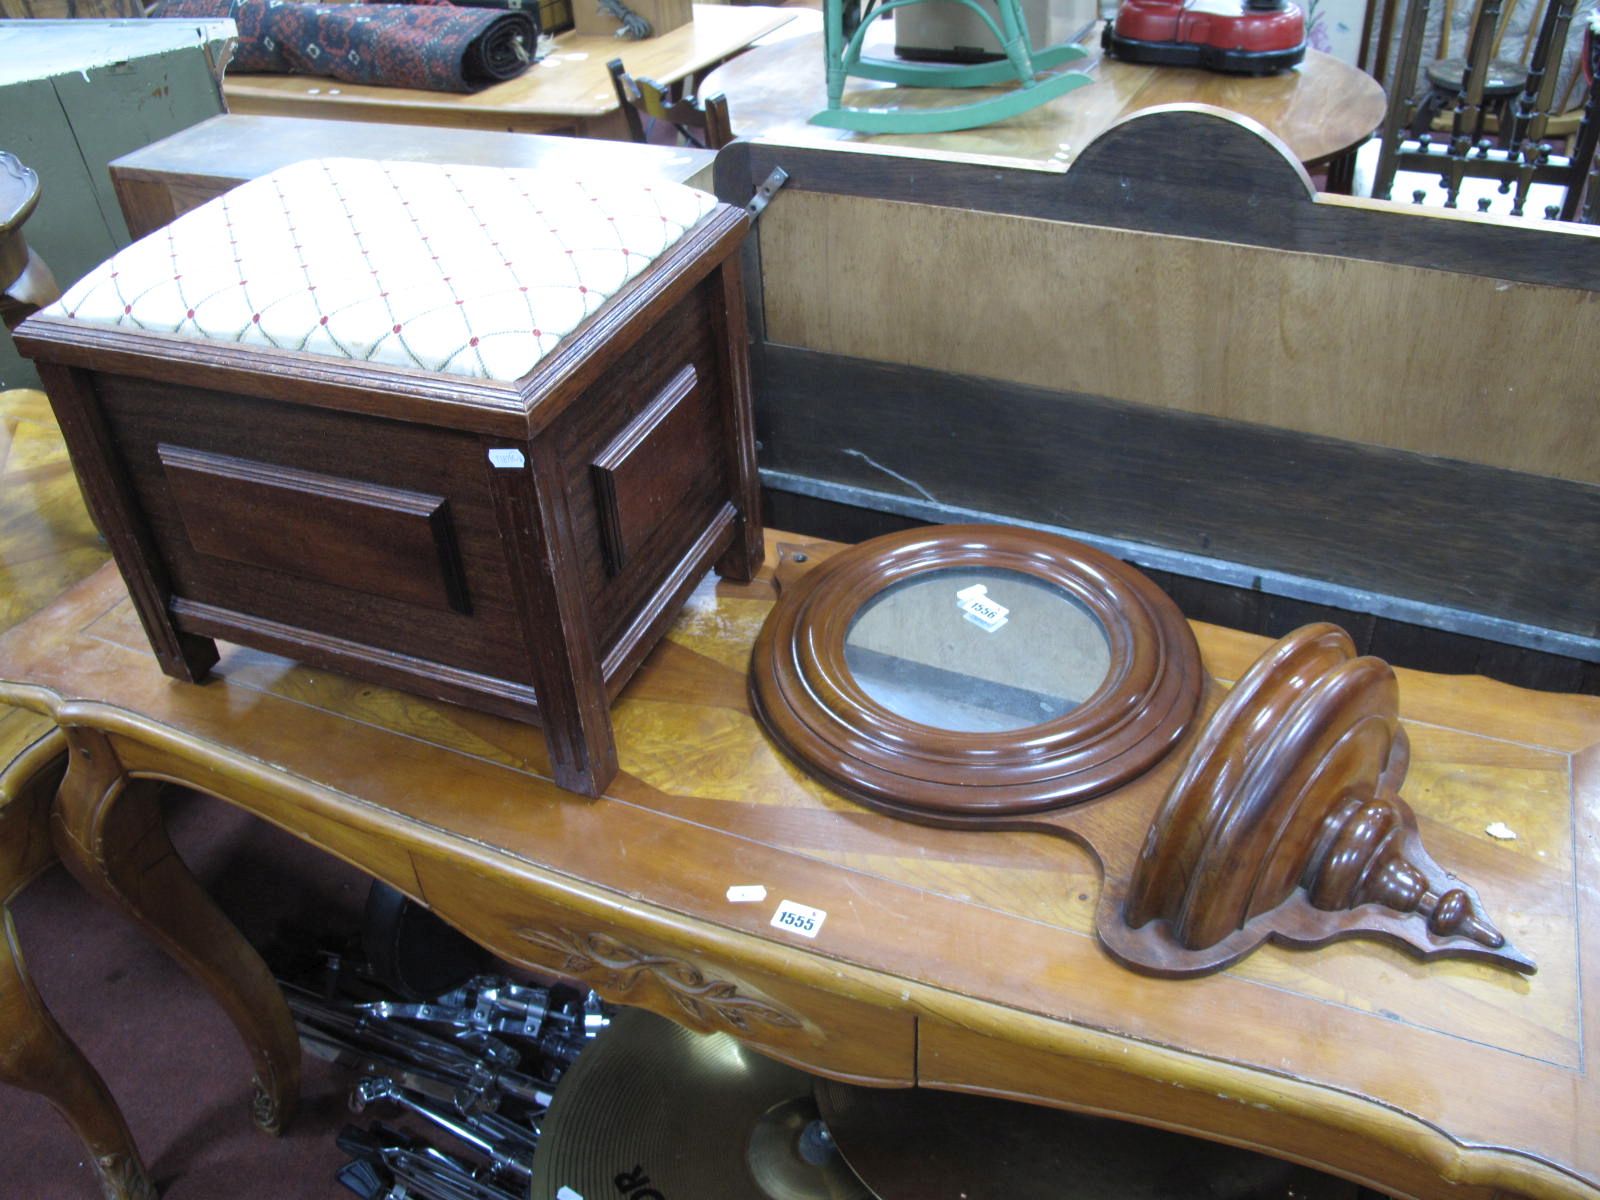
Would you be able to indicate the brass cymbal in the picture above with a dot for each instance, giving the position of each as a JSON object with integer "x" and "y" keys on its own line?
{"x": 651, "y": 1111}
{"x": 919, "y": 1144}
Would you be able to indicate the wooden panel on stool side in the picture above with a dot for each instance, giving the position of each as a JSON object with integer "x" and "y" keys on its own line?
{"x": 215, "y": 436}
{"x": 648, "y": 466}
{"x": 383, "y": 541}
{"x": 690, "y": 493}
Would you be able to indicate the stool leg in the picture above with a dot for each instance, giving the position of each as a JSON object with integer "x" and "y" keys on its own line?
{"x": 108, "y": 830}
{"x": 121, "y": 519}
{"x": 552, "y": 611}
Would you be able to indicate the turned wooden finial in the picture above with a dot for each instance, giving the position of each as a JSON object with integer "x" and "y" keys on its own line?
{"x": 1365, "y": 863}
{"x": 1287, "y": 822}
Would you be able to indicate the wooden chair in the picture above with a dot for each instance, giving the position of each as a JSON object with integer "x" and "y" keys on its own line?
{"x": 1446, "y": 72}
{"x": 1467, "y": 90}
{"x": 703, "y": 123}
{"x": 1587, "y": 140}
{"x": 1501, "y": 80}
{"x": 26, "y": 284}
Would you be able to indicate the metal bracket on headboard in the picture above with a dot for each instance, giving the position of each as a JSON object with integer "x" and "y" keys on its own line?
{"x": 764, "y": 194}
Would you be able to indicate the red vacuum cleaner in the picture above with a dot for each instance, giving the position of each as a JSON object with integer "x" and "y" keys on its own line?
{"x": 1249, "y": 37}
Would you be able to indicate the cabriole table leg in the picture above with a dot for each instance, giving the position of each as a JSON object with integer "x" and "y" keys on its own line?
{"x": 108, "y": 830}
{"x": 34, "y": 1052}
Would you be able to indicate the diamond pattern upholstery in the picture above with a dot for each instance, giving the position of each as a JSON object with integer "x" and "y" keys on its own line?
{"x": 474, "y": 271}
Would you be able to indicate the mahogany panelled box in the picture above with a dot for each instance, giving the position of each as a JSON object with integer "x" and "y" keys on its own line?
{"x": 468, "y": 432}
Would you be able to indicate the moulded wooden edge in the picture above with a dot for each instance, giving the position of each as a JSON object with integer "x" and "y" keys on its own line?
{"x": 1158, "y": 171}
{"x": 345, "y": 385}
{"x": 1258, "y": 1096}
{"x": 34, "y": 758}
{"x": 39, "y": 765}
{"x": 625, "y": 655}
{"x": 503, "y": 697}
{"x": 804, "y": 695}
{"x": 1268, "y": 1096}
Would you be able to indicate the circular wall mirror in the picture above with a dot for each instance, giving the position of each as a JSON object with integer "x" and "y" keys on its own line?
{"x": 922, "y": 650}
{"x": 962, "y": 673}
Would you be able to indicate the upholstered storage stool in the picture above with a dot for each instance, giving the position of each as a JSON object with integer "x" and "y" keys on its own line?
{"x": 467, "y": 432}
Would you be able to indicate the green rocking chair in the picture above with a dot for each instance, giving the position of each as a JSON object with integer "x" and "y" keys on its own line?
{"x": 845, "y": 27}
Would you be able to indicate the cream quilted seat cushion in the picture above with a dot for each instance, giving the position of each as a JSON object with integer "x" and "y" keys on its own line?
{"x": 471, "y": 271}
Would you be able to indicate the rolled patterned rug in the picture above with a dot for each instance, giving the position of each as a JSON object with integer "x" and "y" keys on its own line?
{"x": 435, "y": 47}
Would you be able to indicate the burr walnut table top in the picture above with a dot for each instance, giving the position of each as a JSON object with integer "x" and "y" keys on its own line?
{"x": 947, "y": 958}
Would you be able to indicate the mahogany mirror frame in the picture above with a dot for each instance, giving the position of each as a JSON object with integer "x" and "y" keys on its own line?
{"x": 808, "y": 699}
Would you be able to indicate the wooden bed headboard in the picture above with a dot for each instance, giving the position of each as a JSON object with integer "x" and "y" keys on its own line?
{"x": 1178, "y": 350}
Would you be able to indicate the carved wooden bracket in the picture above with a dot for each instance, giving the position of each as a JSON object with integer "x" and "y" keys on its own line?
{"x": 1286, "y": 822}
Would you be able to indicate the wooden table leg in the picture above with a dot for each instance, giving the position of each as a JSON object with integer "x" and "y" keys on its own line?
{"x": 1341, "y": 169}
{"x": 34, "y": 1052}
{"x": 109, "y": 832}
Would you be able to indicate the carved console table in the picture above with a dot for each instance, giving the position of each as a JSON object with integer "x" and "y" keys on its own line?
{"x": 946, "y": 958}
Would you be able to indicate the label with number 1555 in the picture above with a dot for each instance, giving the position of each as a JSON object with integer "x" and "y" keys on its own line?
{"x": 797, "y": 918}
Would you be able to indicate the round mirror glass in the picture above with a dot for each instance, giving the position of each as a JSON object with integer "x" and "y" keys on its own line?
{"x": 976, "y": 651}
